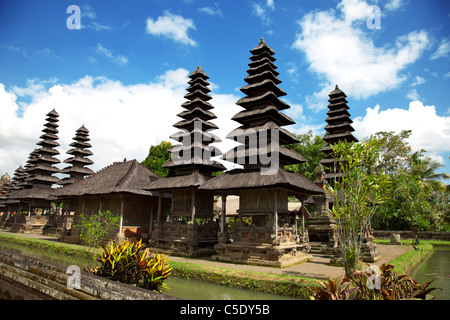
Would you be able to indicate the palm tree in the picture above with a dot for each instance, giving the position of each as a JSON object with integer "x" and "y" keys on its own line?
{"x": 425, "y": 168}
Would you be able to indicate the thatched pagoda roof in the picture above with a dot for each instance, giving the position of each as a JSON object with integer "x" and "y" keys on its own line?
{"x": 191, "y": 180}
{"x": 35, "y": 192}
{"x": 238, "y": 179}
{"x": 119, "y": 177}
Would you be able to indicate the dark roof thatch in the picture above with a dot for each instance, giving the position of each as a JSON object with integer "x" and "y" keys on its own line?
{"x": 119, "y": 177}
{"x": 192, "y": 180}
{"x": 239, "y": 179}
{"x": 36, "y": 192}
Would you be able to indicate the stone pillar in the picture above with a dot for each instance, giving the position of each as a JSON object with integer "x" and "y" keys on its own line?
{"x": 223, "y": 214}
{"x": 275, "y": 213}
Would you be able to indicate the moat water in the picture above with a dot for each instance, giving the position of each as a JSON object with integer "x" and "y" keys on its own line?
{"x": 436, "y": 266}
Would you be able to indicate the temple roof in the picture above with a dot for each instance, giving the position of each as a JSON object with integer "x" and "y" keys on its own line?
{"x": 195, "y": 137}
{"x": 239, "y": 179}
{"x": 119, "y": 177}
{"x": 41, "y": 167}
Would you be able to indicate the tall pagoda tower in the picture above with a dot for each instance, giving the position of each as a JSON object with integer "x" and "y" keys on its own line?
{"x": 189, "y": 167}
{"x": 338, "y": 128}
{"x": 266, "y": 233}
{"x": 44, "y": 169}
{"x": 18, "y": 178}
{"x": 261, "y": 118}
{"x": 79, "y": 160}
{"x": 31, "y": 162}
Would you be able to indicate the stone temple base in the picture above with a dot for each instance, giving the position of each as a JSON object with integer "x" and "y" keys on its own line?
{"x": 368, "y": 254}
{"x": 182, "y": 250}
{"x": 261, "y": 255}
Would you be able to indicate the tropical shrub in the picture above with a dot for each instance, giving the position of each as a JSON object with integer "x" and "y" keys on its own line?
{"x": 97, "y": 227}
{"x": 129, "y": 262}
{"x": 333, "y": 289}
{"x": 388, "y": 285}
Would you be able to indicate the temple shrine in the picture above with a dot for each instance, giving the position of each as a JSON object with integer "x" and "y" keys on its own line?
{"x": 189, "y": 229}
{"x": 266, "y": 233}
{"x": 37, "y": 192}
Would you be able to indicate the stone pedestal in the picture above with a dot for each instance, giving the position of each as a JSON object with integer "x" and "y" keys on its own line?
{"x": 185, "y": 239}
{"x": 395, "y": 239}
{"x": 257, "y": 245}
{"x": 322, "y": 234}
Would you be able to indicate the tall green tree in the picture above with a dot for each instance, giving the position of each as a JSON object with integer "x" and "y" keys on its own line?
{"x": 425, "y": 169}
{"x": 356, "y": 196}
{"x": 394, "y": 151}
{"x": 157, "y": 156}
{"x": 309, "y": 146}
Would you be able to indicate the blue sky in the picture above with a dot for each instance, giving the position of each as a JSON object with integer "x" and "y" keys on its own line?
{"x": 123, "y": 73}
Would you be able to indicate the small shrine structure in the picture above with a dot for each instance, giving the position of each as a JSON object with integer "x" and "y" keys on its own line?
{"x": 190, "y": 229}
{"x": 265, "y": 234}
{"x": 119, "y": 188}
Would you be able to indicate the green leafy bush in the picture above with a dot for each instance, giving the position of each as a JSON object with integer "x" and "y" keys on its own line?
{"x": 390, "y": 286}
{"x": 129, "y": 262}
{"x": 96, "y": 228}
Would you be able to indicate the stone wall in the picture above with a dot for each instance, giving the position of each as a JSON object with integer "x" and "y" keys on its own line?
{"x": 25, "y": 278}
{"x": 424, "y": 235}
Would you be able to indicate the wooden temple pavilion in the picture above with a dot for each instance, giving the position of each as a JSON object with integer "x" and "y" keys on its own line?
{"x": 37, "y": 191}
{"x": 119, "y": 188}
{"x": 266, "y": 234}
{"x": 190, "y": 229}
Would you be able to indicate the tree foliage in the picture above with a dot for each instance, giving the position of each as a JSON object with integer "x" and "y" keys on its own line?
{"x": 157, "y": 156}
{"x": 96, "y": 228}
{"x": 419, "y": 199}
{"x": 356, "y": 196}
{"x": 309, "y": 146}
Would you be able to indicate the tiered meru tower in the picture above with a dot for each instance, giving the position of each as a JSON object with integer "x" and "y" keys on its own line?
{"x": 79, "y": 159}
{"x": 266, "y": 233}
{"x": 338, "y": 128}
{"x": 190, "y": 229}
{"x": 44, "y": 169}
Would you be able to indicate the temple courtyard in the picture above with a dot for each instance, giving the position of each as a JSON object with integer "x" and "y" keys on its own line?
{"x": 319, "y": 267}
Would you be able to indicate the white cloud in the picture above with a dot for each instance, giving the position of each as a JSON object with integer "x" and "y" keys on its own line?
{"x": 88, "y": 14}
{"x": 211, "y": 11}
{"x": 118, "y": 59}
{"x": 413, "y": 94}
{"x": 340, "y": 49}
{"x": 123, "y": 120}
{"x": 442, "y": 51}
{"x": 262, "y": 11}
{"x": 172, "y": 26}
{"x": 429, "y": 130}
{"x": 393, "y": 5}
{"x": 418, "y": 80}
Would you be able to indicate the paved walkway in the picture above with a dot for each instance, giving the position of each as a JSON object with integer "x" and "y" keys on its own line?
{"x": 317, "y": 268}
